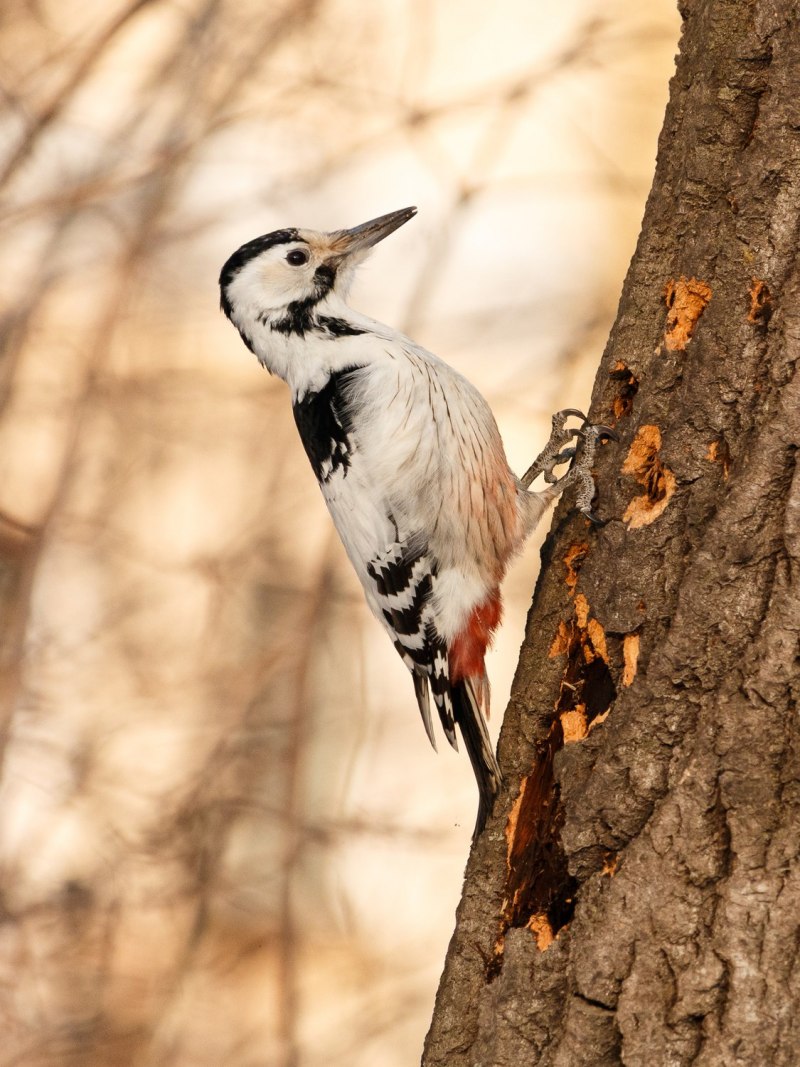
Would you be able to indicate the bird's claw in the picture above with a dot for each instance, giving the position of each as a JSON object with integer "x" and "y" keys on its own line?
{"x": 581, "y": 455}
{"x": 601, "y": 432}
{"x": 581, "y": 469}
{"x": 553, "y": 452}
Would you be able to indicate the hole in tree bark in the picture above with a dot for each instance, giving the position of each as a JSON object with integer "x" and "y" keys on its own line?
{"x": 627, "y": 388}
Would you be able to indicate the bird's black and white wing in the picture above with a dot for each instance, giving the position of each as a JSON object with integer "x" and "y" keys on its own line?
{"x": 402, "y": 580}
{"x": 397, "y": 571}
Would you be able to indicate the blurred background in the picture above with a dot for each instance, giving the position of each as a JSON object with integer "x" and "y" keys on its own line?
{"x": 224, "y": 838}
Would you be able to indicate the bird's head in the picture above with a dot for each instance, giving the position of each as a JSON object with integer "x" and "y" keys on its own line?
{"x": 288, "y": 272}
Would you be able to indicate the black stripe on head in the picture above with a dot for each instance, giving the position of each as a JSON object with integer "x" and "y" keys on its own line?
{"x": 324, "y": 277}
{"x": 243, "y": 255}
{"x": 300, "y": 319}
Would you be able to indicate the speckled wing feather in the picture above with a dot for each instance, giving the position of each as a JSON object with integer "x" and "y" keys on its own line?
{"x": 403, "y": 578}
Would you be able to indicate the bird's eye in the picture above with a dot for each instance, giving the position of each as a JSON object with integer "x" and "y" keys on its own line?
{"x": 297, "y": 257}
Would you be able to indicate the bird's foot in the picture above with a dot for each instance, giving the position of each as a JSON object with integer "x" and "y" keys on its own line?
{"x": 554, "y": 452}
{"x": 580, "y": 471}
{"x": 581, "y": 454}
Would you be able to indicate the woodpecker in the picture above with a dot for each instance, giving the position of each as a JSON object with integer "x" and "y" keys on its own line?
{"x": 410, "y": 462}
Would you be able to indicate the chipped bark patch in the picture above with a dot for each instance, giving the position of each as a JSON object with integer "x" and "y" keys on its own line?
{"x": 573, "y": 561}
{"x": 582, "y": 610}
{"x": 513, "y": 819}
{"x": 718, "y": 452}
{"x": 598, "y": 720}
{"x": 587, "y": 688}
{"x": 540, "y": 927}
{"x": 597, "y": 636}
{"x": 760, "y": 303}
{"x": 644, "y": 463}
{"x": 574, "y": 725}
{"x": 539, "y": 890}
{"x": 538, "y": 881}
{"x": 686, "y": 299}
{"x": 642, "y": 510}
{"x": 627, "y": 388}
{"x": 610, "y": 865}
{"x": 596, "y": 646}
{"x": 560, "y": 643}
{"x": 630, "y": 658}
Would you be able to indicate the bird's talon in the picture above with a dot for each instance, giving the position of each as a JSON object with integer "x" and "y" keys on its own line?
{"x": 597, "y": 431}
{"x": 553, "y": 454}
{"x": 579, "y": 455}
{"x": 565, "y": 413}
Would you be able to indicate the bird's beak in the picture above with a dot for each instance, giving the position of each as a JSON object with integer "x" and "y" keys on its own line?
{"x": 360, "y": 238}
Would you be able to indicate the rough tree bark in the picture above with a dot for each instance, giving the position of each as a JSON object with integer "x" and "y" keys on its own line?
{"x": 636, "y": 899}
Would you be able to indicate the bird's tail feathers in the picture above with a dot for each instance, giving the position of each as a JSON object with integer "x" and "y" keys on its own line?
{"x": 424, "y": 700}
{"x": 468, "y": 715}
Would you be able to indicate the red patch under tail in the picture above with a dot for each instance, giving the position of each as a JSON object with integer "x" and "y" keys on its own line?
{"x": 469, "y": 646}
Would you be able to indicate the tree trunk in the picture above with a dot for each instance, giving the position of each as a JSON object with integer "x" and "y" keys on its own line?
{"x": 636, "y": 899}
